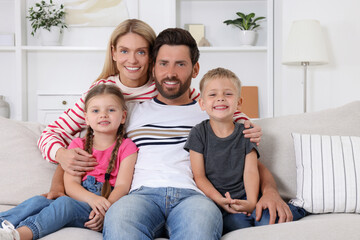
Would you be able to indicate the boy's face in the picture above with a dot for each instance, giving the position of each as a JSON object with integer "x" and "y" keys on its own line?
{"x": 220, "y": 99}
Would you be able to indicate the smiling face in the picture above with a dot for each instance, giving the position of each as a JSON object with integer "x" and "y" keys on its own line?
{"x": 173, "y": 72}
{"x": 104, "y": 114}
{"x": 220, "y": 99}
{"x": 131, "y": 55}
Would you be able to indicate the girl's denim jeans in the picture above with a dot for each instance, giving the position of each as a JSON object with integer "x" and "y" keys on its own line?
{"x": 44, "y": 216}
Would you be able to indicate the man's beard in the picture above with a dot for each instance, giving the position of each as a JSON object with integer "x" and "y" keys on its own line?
{"x": 184, "y": 87}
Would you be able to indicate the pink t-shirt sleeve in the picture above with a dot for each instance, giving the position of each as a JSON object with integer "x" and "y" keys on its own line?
{"x": 76, "y": 143}
{"x": 127, "y": 148}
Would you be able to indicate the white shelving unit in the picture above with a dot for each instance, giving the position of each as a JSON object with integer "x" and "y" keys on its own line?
{"x": 28, "y": 68}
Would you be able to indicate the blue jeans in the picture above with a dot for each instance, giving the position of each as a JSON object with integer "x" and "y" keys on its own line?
{"x": 44, "y": 216}
{"x": 148, "y": 213}
{"x": 238, "y": 220}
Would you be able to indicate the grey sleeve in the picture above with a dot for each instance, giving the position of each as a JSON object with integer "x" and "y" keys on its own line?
{"x": 249, "y": 146}
{"x": 195, "y": 141}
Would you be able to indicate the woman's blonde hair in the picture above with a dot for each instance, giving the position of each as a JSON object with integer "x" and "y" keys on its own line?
{"x": 121, "y": 134}
{"x": 128, "y": 26}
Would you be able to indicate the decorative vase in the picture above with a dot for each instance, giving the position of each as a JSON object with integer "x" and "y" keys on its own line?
{"x": 50, "y": 38}
{"x": 247, "y": 37}
{"x": 4, "y": 107}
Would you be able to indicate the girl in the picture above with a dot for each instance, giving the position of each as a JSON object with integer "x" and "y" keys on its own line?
{"x": 89, "y": 195}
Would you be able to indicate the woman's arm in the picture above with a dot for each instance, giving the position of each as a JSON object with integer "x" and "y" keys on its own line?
{"x": 203, "y": 183}
{"x": 57, "y": 188}
{"x": 271, "y": 198}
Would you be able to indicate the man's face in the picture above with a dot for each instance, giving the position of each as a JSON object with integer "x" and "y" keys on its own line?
{"x": 173, "y": 72}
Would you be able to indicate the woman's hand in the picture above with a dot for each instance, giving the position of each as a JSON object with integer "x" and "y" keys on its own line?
{"x": 253, "y": 133}
{"x": 75, "y": 161}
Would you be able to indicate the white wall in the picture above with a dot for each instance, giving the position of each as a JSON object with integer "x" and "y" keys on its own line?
{"x": 331, "y": 85}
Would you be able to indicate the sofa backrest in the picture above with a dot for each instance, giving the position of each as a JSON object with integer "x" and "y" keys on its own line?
{"x": 276, "y": 146}
{"x": 24, "y": 173}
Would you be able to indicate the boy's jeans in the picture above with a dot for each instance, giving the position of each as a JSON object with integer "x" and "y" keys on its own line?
{"x": 44, "y": 216}
{"x": 148, "y": 213}
{"x": 237, "y": 221}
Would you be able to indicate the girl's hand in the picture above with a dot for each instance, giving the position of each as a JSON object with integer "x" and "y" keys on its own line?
{"x": 99, "y": 204}
{"x": 96, "y": 221}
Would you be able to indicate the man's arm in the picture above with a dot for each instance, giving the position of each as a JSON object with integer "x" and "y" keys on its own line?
{"x": 271, "y": 198}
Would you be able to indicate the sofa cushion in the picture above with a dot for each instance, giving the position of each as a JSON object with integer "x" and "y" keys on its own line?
{"x": 24, "y": 173}
{"x": 328, "y": 170}
{"x": 276, "y": 146}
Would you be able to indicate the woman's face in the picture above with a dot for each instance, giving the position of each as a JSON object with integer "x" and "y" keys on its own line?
{"x": 131, "y": 55}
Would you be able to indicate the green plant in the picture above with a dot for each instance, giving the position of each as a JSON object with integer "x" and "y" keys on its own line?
{"x": 45, "y": 15}
{"x": 245, "y": 22}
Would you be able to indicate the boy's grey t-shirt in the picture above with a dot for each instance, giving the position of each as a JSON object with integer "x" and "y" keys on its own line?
{"x": 224, "y": 158}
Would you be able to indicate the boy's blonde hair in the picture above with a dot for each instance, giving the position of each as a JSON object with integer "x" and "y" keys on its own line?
{"x": 221, "y": 73}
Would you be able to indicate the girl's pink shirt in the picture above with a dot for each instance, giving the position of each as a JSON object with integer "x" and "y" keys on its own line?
{"x": 126, "y": 148}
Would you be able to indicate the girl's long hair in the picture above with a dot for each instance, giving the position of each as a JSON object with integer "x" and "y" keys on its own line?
{"x": 121, "y": 134}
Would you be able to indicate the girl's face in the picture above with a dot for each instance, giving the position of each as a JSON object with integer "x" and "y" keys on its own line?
{"x": 105, "y": 113}
{"x": 131, "y": 55}
{"x": 220, "y": 99}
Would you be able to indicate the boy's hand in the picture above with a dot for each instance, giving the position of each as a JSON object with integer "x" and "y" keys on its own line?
{"x": 99, "y": 204}
{"x": 96, "y": 221}
{"x": 240, "y": 206}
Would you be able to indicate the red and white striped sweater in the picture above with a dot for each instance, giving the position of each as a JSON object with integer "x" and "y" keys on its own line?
{"x": 61, "y": 132}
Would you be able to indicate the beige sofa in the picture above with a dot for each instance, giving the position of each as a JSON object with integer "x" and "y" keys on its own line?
{"x": 24, "y": 173}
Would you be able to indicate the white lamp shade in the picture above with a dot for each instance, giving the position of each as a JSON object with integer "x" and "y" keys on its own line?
{"x": 306, "y": 43}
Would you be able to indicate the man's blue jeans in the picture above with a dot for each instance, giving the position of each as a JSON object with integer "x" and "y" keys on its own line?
{"x": 44, "y": 216}
{"x": 237, "y": 221}
{"x": 148, "y": 213}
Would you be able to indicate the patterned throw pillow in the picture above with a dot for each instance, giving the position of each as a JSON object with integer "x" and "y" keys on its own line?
{"x": 328, "y": 173}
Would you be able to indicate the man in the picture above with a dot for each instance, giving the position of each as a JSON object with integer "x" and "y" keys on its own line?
{"x": 164, "y": 198}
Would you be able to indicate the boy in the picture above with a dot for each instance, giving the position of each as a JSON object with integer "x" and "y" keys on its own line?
{"x": 223, "y": 161}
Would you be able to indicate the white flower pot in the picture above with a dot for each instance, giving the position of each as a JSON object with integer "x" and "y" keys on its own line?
{"x": 50, "y": 38}
{"x": 247, "y": 38}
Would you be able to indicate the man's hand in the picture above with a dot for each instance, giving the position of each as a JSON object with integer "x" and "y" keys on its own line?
{"x": 53, "y": 194}
{"x": 253, "y": 133}
{"x": 96, "y": 221}
{"x": 277, "y": 208}
{"x": 75, "y": 161}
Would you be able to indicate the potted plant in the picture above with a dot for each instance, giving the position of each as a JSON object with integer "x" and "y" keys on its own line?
{"x": 49, "y": 18}
{"x": 247, "y": 24}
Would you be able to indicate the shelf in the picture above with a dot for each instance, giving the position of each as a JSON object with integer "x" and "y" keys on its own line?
{"x": 99, "y": 49}
{"x": 7, "y": 49}
{"x": 62, "y": 49}
{"x": 234, "y": 49}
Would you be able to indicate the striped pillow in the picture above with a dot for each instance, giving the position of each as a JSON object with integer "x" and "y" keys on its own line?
{"x": 328, "y": 173}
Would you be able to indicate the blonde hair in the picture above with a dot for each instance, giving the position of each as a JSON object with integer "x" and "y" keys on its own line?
{"x": 96, "y": 91}
{"x": 128, "y": 26}
{"x": 221, "y": 73}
